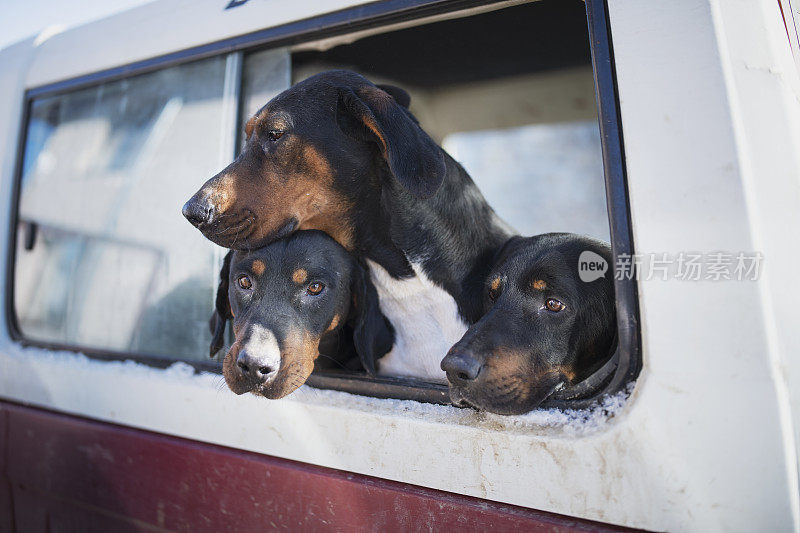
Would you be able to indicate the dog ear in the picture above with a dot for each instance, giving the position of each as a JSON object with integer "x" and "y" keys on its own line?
{"x": 373, "y": 335}
{"x": 222, "y": 308}
{"x": 374, "y": 115}
{"x": 400, "y": 96}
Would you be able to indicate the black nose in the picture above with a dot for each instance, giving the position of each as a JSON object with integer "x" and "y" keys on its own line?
{"x": 461, "y": 366}
{"x": 199, "y": 211}
{"x": 253, "y": 367}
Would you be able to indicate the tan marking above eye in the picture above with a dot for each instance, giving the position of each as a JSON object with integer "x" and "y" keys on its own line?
{"x": 539, "y": 285}
{"x": 300, "y": 275}
{"x": 494, "y": 289}
{"x": 258, "y": 267}
{"x": 248, "y": 128}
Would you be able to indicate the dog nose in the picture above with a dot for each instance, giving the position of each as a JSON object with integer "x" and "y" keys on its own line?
{"x": 461, "y": 366}
{"x": 257, "y": 369}
{"x": 199, "y": 211}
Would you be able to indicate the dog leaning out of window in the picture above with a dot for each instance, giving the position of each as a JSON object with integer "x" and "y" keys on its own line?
{"x": 300, "y": 302}
{"x": 547, "y": 324}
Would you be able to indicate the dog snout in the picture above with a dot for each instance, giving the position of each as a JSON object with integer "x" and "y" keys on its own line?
{"x": 199, "y": 210}
{"x": 257, "y": 369}
{"x": 461, "y": 366}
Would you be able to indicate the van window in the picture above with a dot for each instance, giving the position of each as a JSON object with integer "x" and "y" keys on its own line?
{"x": 104, "y": 258}
{"x": 562, "y": 157}
{"x": 515, "y": 107}
{"x": 106, "y": 263}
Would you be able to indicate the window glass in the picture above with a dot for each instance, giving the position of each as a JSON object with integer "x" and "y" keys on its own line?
{"x": 265, "y": 75}
{"x": 518, "y": 112}
{"x": 104, "y": 258}
{"x": 563, "y": 159}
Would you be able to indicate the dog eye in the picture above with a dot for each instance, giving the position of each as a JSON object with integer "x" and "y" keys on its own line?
{"x": 315, "y": 288}
{"x": 554, "y": 305}
{"x": 274, "y": 135}
{"x": 244, "y": 282}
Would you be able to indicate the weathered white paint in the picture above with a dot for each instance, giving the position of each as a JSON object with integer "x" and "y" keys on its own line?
{"x": 158, "y": 28}
{"x": 710, "y": 110}
{"x": 709, "y": 105}
{"x": 425, "y": 320}
{"x": 166, "y": 26}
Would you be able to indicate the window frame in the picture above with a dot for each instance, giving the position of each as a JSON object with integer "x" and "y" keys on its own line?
{"x": 348, "y": 21}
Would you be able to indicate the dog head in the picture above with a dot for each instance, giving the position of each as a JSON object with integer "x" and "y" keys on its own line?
{"x": 316, "y": 156}
{"x": 284, "y": 298}
{"x": 543, "y": 326}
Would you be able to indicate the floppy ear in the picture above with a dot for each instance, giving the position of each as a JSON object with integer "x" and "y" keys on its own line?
{"x": 222, "y": 308}
{"x": 373, "y": 335}
{"x": 399, "y": 95}
{"x": 373, "y": 115}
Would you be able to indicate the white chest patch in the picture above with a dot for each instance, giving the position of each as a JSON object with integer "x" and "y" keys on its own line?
{"x": 426, "y": 324}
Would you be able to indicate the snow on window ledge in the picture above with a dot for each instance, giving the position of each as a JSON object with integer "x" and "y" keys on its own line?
{"x": 40, "y": 376}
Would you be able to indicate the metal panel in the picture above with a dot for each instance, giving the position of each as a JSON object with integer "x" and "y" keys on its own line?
{"x": 72, "y": 474}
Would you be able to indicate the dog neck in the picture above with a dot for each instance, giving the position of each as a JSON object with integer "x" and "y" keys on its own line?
{"x": 428, "y": 260}
{"x": 451, "y": 237}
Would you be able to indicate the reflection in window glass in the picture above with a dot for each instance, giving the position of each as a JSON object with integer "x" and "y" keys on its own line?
{"x": 104, "y": 258}
{"x": 265, "y": 75}
{"x": 541, "y": 177}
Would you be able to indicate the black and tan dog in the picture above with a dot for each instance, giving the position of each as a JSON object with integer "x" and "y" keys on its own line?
{"x": 339, "y": 154}
{"x": 291, "y": 301}
{"x": 543, "y": 327}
